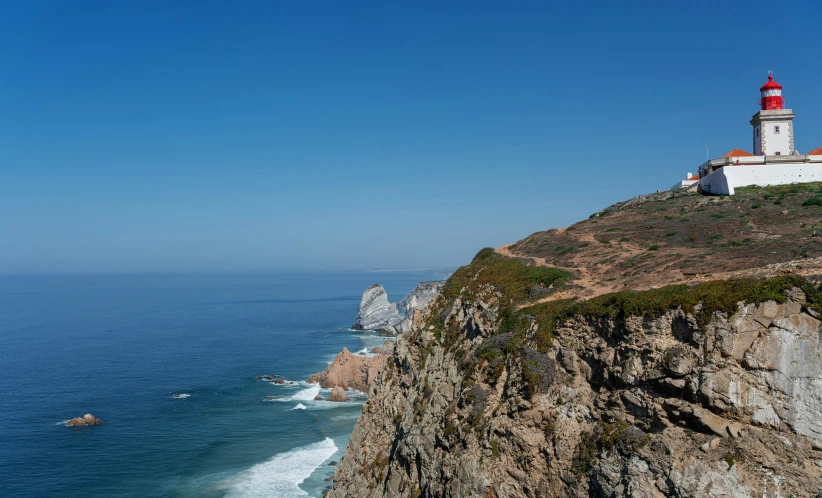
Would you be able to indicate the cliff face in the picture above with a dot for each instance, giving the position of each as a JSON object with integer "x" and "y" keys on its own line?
{"x": 420, "y": 297}
{"x": 639, "y": 406}
{"x": 504, "y": 387}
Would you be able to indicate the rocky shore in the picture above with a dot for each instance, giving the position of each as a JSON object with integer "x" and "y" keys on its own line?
{"x": 376, "y": 313}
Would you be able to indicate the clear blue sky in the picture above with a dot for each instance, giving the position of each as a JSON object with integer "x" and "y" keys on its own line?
{"x": 188, "y": 136}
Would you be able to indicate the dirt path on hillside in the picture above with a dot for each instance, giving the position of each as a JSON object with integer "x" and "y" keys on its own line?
{"x": 586, "y": 285}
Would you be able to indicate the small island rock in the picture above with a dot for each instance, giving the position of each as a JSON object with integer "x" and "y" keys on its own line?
{"x": 87, "y": 419}
{"x": 375, "y": 311}
{"x": 338, "y": 394}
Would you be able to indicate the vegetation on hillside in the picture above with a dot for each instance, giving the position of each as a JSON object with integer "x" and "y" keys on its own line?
{"x": 520, "y": 310}
{"x": 673, "y": 236}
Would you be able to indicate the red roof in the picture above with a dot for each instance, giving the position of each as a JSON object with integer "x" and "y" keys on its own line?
{"x": 816, "y": 152}
{"x": 737, "y": 153}
{"x": 695, "y": 177}
{"x": 770, "y": 85}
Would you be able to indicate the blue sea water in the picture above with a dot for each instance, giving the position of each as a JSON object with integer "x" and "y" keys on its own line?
{"x": 122, "y": 346}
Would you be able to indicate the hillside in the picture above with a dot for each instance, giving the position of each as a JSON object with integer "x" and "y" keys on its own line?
{"x": 679, "y": 237}
{"x": 667, "y": 346}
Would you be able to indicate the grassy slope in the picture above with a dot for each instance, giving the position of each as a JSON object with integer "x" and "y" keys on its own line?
{"x": 685, "y": 237}
{"x": 532, "y": 285}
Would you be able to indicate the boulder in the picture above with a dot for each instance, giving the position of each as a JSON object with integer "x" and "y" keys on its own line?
{"x": 338, "y": 394}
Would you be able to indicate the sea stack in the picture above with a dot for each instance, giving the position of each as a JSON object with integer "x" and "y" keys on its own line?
{"x": 376, "y": 312}
{"x": 338, "y": 394}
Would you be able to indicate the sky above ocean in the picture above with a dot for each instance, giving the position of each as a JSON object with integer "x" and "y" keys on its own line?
{"x": 214, "y": 136}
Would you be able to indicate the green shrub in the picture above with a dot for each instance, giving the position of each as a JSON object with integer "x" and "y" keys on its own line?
{"x": 813, "y": 201}
{"x": 653, "y": 248}
{"x": 484, "y": 254}
{"x": 719, "y": 295}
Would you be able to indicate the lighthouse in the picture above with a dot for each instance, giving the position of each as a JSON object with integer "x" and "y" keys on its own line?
{"x": 773, "y": 124}
{"x": 774, "y": 161}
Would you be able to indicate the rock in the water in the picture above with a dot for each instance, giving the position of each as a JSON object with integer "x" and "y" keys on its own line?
{"x": 378, "y": 314}
{"x": 318, "y": 398}
{"x": 338, "y": 394}
{"x": 349, "y": 371}
{"x": 87, "y": 419}
{"x": 375, "y": 310}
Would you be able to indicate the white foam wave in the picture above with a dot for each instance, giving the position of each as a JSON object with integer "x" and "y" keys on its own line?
{"x": 303, "y": 395}
{"x": 291, "y": 383}
{"x": 364, "y": 352}
{"x": 282, "y": 475}
{"x": 181, "y": 396}
{"x": 307, "y": 394}
{"x": 299, "y": 406}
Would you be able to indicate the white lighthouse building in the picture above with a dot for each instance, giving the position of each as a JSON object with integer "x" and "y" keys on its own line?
{"x": 773, "y": 125}
{"x": 774, "y": 160}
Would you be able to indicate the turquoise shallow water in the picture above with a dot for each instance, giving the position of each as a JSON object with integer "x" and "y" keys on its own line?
{"x": 122, "y": 346}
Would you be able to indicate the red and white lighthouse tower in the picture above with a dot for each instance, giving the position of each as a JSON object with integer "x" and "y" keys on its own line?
{"x": 773, "y": 124}
{"x": 771, "y": 95}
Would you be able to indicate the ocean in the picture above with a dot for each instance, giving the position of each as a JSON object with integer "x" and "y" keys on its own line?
{"x": 168, "y": 362}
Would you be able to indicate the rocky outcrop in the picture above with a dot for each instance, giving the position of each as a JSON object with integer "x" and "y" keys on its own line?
{"x": 378, "y": 314}
{"x": 338, "y": 394}
{"x": 87, "y": 419}
{"x": 692, "y": 404}
{"x": 350, "y": 371}
{"x": 420, "y": 297}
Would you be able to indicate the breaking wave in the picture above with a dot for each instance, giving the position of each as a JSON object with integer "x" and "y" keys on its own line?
{"x": 282, "y": 475}
{"x": 307, "y": 394}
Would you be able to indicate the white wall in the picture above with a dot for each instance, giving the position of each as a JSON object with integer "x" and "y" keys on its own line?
{"x": 724, "y": 180}
{"x": 776, "y": 142}
{"x": 683, "y": 183}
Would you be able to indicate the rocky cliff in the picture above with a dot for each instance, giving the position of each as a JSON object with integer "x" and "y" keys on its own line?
{"x": 505, "y": 388}
{"x": 420, "y": 297}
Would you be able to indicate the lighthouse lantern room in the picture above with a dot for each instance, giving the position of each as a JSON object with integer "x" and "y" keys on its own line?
{"x": 773, "y": 124}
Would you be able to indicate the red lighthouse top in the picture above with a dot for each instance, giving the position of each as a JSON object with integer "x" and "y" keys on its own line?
{"x": 771, "y": 93}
